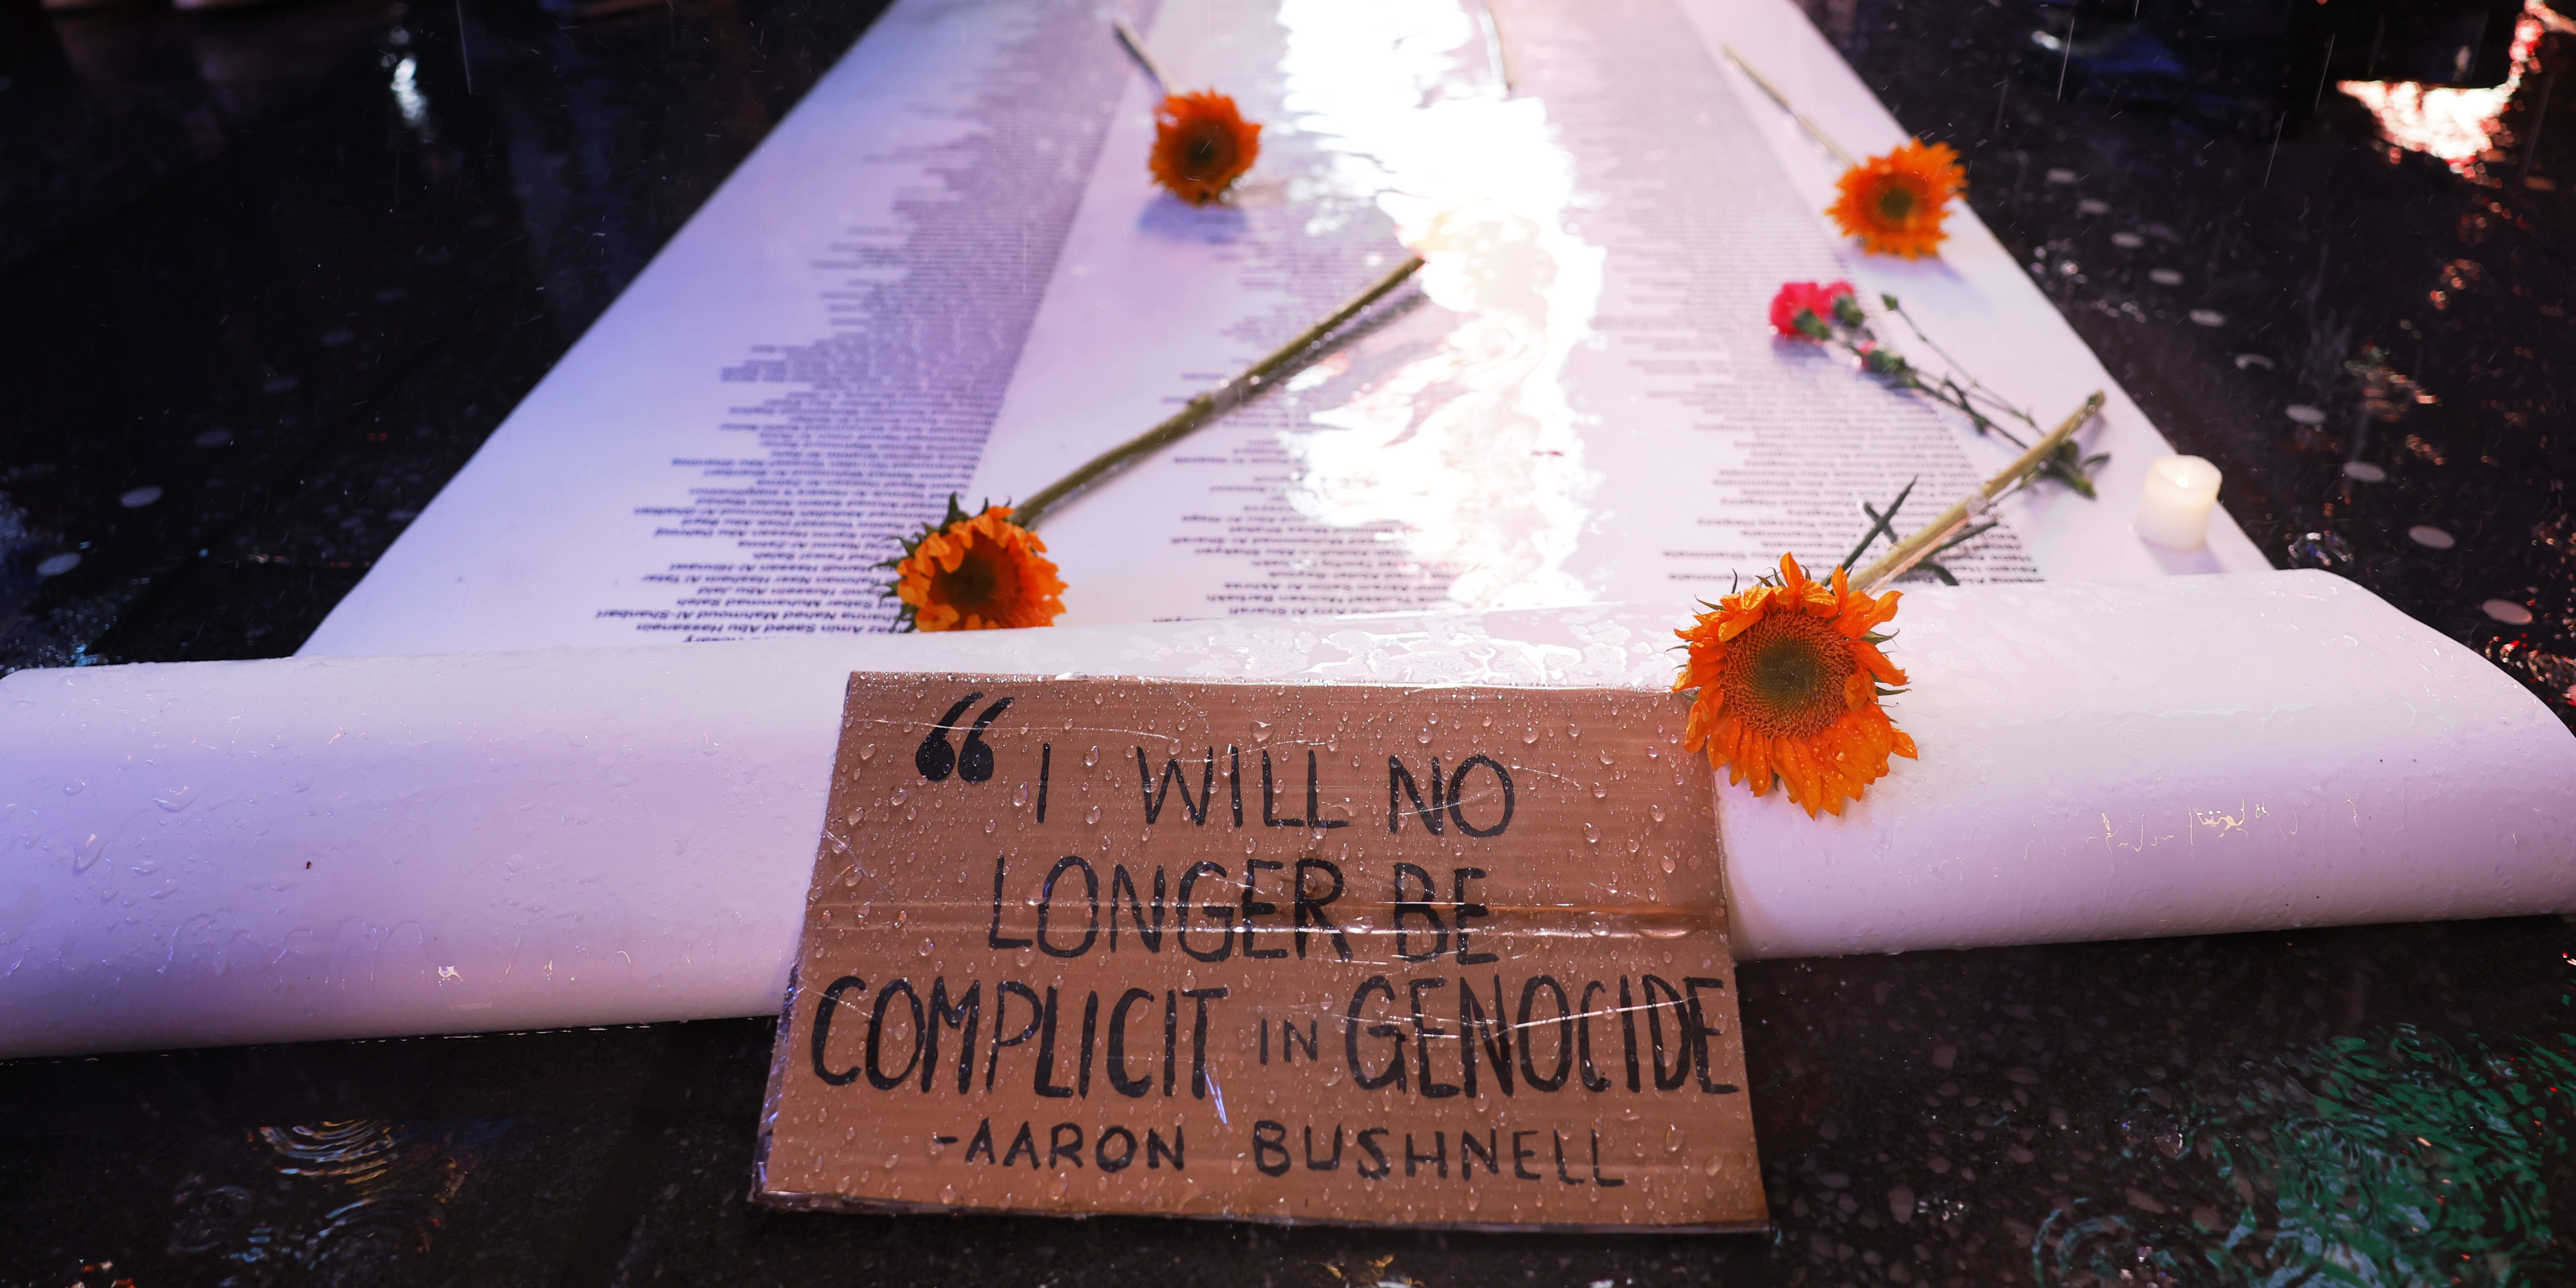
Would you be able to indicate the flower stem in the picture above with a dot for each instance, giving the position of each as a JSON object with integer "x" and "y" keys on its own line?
{"x": 1916, "y": 548}
{"x": 1496, "y": 52}
{"x": 1207, "y": 406}
{"x": 1135, "y": 46}
{"x": 1814, "y": 131}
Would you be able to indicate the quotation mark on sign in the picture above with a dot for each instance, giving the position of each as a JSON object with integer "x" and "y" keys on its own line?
{"x": 972, "y": 762}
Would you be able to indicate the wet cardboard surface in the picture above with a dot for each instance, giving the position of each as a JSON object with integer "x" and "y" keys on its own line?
{"x": 1446, "y": 956}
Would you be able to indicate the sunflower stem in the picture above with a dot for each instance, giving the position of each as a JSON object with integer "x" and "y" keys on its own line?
{"x": 1207, "y": 406}
{"x": 1931, "y": 536}
{"x": 1496, "y": 51}
{"x": 1135, "y": 47}
{"x": 1814, "y": 131}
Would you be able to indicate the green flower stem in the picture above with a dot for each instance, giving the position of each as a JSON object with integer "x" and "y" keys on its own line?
{"x": 2067, "y": 464}
{"x": 1915, "y": 548}
{"x": 1135, "y": 47}
{"x": 1814, "y": 131}
{"x": 1207, "y": 406}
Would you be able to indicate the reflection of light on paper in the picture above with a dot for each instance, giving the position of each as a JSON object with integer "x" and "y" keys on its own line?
{"x": 2455, "y": 125}
{"x": 1471, "y": 451}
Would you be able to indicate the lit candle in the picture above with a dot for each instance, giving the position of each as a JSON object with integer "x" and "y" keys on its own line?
{"x": 2173, "y": 510}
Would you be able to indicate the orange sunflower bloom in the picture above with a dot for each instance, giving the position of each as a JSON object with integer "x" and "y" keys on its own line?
{"x": 1789, "y": 678}
{"x": 1895, "y": 203}
{"x": 1202, "y": 145}
{"x": 977, "y": 573}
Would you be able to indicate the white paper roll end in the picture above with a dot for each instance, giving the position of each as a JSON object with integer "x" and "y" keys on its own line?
{"x": 2288, "y": 751}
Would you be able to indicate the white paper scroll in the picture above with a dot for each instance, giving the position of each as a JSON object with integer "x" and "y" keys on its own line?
{"x": 308, "y": 848}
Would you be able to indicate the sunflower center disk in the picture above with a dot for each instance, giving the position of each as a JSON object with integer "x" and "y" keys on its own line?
{"x": 1895, "y": 201}
{"x": 1789, "y": 682}
{"x": 1206, "y": 152}
{"x": 975, "y": 586}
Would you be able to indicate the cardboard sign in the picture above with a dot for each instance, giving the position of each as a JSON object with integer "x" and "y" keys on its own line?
{"x": 1447, "y": 956}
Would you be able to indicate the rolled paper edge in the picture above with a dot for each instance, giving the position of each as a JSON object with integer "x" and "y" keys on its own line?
{"x": 310, "y": 848}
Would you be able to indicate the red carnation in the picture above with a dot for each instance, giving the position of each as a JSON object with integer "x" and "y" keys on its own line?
{"x": 1797, "y": 299}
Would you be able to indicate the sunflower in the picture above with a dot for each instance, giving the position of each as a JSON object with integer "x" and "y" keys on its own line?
{"x": 1895, "y": 203}
{"x": 1202, "y": 145}
{"x": 1789, "y": 678}
{"x": 977, "y": 573}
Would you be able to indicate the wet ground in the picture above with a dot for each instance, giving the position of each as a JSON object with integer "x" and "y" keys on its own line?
{"x": 268, "y": 277}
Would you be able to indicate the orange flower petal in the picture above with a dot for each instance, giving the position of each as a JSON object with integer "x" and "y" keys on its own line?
{"x": 1202, "y": 145}
{"x": 1823, "y": 744}
{"x": 1895, "y": 203}
{"x": 980, "y": 573}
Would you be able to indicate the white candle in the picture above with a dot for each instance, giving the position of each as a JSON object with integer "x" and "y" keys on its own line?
{"x": 2173, "y": 510}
